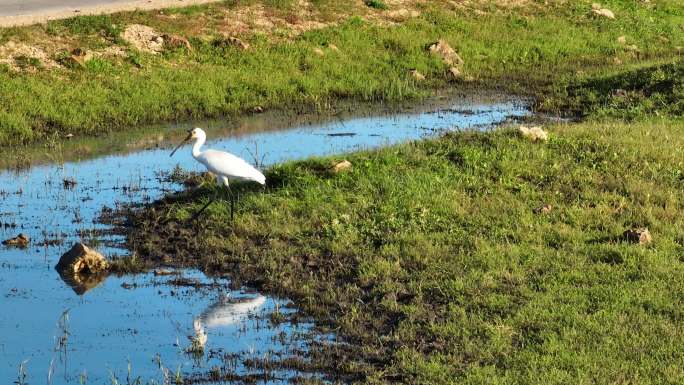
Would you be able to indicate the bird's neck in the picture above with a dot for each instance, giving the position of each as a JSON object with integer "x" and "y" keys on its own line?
{"x": 196, "y": 147}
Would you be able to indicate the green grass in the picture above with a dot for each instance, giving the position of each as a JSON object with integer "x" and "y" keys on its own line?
{"x": 434, "y": 262}
{"x": 524, "y": 50}
{"x": 628, "y": 95}
{"x": 431, "y": 260}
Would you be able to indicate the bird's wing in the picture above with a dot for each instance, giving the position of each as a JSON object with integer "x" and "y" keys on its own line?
{"x": 231, "y": 166}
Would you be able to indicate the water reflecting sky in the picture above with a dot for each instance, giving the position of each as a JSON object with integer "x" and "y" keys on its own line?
{"x": 140, "y": 318}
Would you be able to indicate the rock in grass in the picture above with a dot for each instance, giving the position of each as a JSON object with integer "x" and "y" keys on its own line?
{"x": 535, "y": 133}
{"x": 82, "y": 260}
{"x": 75, "y": 59}
{"x": 175, "y": 41}
{"x": 21, "y": 240}
{"x": 417, "y": 75}
{"x": 544, "y": 209}
{"x": 641, "y": 236}
{"x": 342, "y": 166}
{"x": 456, "y": 73}
{"x": 162, "y": 272}
{"x": 598, "y": 10}
{"x": 443, "y": 50}
{"x": 143, "y": 38}
{"x": 230, "y": 41}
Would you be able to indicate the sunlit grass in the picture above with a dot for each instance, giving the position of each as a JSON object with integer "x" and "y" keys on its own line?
{"x": 435, "y": 260}
{"x": 523, "y": 50}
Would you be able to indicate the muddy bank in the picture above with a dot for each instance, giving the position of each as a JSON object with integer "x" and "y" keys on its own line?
{"x": 159, "y": 240}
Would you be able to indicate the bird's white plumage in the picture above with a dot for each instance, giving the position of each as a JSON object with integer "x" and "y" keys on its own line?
{"x": 225, "y": 165}
{"x": 230, "y": 166}
{"x": 224, "y": 313}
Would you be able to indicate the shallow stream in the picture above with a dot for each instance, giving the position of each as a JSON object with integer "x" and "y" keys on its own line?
{"x": 138, "y": 326}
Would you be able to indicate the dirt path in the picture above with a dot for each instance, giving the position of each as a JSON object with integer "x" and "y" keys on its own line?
{"x": 25, "y": 12}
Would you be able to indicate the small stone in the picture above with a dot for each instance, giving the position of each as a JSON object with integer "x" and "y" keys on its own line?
{"x": 258, "y": 109}
{"x": 342, "y": 166}
{"x": 163, "y": 272}
{"x": 176, "y": 41}
{"x": 455, "y": 73}
{"x": 603, "y": 12}
{"x": 319, "y": 51}
{"x": 230, "y": 41}
{"x": 544, "y": 209}
{"x": 82, "y": 54}
{"x": 417, "y": 75}
{"x": 73, "y": 61}
{"x": 143, "y": 38}
{"x": 641, "y": 236}
{"x": 443, "y": 50}
{"x": 534, "y": 133}
{"x": 82, "y": 260}
{"x": 22, "y": 240}
{"x": 619, "y": 92}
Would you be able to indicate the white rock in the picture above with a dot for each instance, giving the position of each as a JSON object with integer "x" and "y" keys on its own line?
{"x": 604, "y": 12}
{"x": 534, "y": 133}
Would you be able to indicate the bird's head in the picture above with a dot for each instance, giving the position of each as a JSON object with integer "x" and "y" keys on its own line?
{"x": 195, "y": 133}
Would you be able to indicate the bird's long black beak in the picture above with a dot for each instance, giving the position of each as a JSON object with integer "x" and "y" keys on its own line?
{"x": 182, "y": 143}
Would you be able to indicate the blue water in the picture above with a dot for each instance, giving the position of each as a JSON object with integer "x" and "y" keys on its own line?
{"x": 141, "y": 319}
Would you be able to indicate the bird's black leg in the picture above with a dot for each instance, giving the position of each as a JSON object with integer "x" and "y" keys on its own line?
{"x": 197, "y": 214}
{"x": 232, "y": 202}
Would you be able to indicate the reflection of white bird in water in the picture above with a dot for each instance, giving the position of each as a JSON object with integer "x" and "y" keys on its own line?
{"x": 224, "y": 165}
{"x": 225, "y": 312}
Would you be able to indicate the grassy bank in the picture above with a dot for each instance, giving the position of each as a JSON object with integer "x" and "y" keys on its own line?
{"x": 472, "y": 258}
{"x": 312, "y": 58}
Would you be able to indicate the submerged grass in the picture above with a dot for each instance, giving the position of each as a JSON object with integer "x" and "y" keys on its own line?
{"x": 523, "y": 49}
{"x": 472, "y": 258}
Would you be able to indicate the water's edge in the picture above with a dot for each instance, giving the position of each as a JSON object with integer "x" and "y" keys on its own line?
{"x": 146, "y": 320}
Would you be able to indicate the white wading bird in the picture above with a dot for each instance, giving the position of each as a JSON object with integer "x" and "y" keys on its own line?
{"x": 224, "y": 165}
